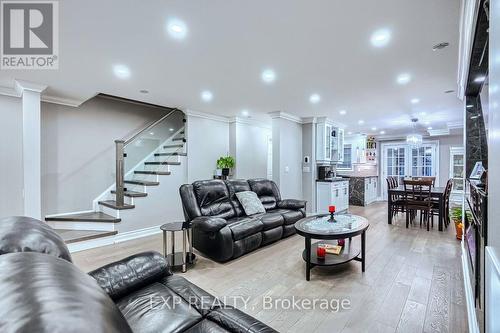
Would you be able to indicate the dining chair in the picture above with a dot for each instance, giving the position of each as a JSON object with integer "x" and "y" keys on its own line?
{"x": 397, "y": 201}
{"x": 446, "y": 202}
{"x": 417, "y": 198}
{"x": 433, "y": 179}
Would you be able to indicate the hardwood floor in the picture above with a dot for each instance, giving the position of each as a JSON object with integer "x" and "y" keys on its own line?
{"x": 413, "y": 280}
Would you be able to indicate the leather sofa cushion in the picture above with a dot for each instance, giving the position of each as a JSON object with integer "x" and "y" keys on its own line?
{"x": 157, "y": 308}
{"x": 267, "y": 191}
{"x": 290, "y": 216}
{"x": 202, "y": 301}
{"x": 271, "y": 220}
{"x": 43, "y": 294}
{"x": 247, "y": 244}
{"x": 25, "y": 234}
{"x": 238, "y": 322}
{"x": 206, "y": 326}
{"x": 234, "y": 186}
{"x": 127, "y": 275}
{"x": 242, "y": 227}
{"x": 213, "y": 198}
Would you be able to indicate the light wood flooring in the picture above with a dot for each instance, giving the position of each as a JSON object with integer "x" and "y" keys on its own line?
{"x": 413, "y": 280}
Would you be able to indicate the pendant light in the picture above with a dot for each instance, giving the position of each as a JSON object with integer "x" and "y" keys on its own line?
{"x": 414, "y": 139}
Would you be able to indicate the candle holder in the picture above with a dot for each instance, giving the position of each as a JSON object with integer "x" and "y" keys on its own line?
{"x": 331, "y": 209}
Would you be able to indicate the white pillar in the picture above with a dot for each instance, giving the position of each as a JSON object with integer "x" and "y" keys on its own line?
{"x": 31, "y": 95}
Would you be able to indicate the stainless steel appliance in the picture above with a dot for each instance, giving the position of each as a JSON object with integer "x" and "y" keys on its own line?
{"x": 326, "y": 172}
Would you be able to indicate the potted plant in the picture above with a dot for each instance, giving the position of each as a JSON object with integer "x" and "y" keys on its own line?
{"x": 456, "y": 216}
{"x": 225, "y": 163}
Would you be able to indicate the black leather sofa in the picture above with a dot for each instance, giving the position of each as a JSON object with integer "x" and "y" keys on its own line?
{"x": 222, "y": 231}
{"x": 42, "y": 291}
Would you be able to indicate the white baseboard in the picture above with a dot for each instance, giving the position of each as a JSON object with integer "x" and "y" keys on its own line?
{"x": 110, "y": 240}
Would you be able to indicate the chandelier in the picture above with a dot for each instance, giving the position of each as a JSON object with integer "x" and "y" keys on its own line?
{"x": 414, "y": 139}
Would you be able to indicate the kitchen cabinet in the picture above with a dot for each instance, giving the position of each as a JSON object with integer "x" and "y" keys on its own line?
{"x": 329, "y": 142}
{"x": 332, "y": 193}
{"x": 363, "y": 190}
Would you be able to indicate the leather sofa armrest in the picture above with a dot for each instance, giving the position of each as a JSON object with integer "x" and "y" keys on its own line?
{"x": 122, "y": 277}
{"x": 208, "y": 223}
{"x": 292, "y": 204}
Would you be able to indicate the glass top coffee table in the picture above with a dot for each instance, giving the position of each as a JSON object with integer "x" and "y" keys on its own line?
{"x": 321, "y": 227}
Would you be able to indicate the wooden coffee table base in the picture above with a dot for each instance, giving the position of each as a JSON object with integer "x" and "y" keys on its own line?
{"x": 347, "y": 254}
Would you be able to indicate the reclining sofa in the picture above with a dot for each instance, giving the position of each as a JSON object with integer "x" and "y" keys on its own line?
{"x": 221, "y": 229}
{"x": 42, "y": 291}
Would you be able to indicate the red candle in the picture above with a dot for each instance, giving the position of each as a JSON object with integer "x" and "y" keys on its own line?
{"x": 331, "y": 209}
{"x": 341, "y": 242}
{"x": 321, "y": 252}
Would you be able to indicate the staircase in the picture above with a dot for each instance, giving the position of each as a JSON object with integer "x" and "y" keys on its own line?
{"x": 138, "y": 170}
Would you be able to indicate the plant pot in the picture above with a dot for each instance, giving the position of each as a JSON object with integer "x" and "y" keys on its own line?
{"x": 459, "y": 229}
{"x": 225, "y": 171}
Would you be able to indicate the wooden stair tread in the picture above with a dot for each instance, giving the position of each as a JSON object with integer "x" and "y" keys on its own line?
{"x": 145, "y": 172}
{"x": 142, "y": 182}
{"x": 173, "y": 146}
{"x": 162, "y": 163}
{"x": 112, "y": 204}
{"x": 84, "y": 217}
{"x": 73, "y": 236}
{"x": 170, "y": 154}
{"x": 132, "y": 194}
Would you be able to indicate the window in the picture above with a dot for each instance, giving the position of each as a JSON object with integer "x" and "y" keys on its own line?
{"x": 347, "y": 163}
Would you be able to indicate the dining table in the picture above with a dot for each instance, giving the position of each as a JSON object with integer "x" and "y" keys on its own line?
{"x": 436, "y": 192}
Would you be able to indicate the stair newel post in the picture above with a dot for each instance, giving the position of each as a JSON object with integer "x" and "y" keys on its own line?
{"x": 120, "y": 185}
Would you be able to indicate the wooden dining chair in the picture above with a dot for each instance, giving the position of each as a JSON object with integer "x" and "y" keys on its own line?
{"x": 397, "y": 202}
{"x": 446, "y": 201}
{"x": 417, "y": 198}
{"x": 432, "y": 179}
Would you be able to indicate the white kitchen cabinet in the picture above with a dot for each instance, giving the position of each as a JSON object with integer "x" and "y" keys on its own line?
{"x": 329, "y": 142}
{"x": 371, "y": 190}
{"x": 332, "y": 193}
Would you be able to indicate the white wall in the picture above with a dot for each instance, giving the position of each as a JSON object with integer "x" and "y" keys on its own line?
{"x": 445, "y": 143}
{"x": 248, "y": 143}
{"x": 11, "y": 156}
{"x": 309, "y": 178}
{"x": 287, "y": 157}
{"x": 78, "y": 150}
{"x": 208, "y": 139}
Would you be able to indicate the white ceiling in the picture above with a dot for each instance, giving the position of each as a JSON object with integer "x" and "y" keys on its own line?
{"x": 320, "y": 46}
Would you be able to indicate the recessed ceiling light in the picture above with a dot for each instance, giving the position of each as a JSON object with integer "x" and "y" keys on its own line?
{"x": 144, "y": 91}
{"x": 381, "y": 37}
{"x": 415, "y": 101}
{"x": 177, "y": 28}
{"x": 342, "y": 112}
{"x": 374, "y": 128}
{"x": 171, "y": 129}
{"x": 361, "y": 122}
{"x": 429, "y": 128}
{"x": 268, "y": 76}
{"x": 427, "y": 123}
{"x": 480, "y": 78}
{"x": 422, "y": 113}
{"x": 152, "y": 133}
{"x": 349, "y": 133}
{"x": 404, "y": 78}
{"x": 207, "y": 95}
{"x": 469, "y": 105}
{"x": 121, "y": 71}
{"x": 314, "y": 98}
{"x": 382, "y": 132}
{"x": 245, "y": 113}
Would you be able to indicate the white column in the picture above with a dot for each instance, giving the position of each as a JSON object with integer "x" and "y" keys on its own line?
{"x": 31, "y": 95}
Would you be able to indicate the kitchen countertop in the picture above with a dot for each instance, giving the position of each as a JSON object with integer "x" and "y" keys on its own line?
{"x": 332, "y": 180}
{"x": 346, "y": 176}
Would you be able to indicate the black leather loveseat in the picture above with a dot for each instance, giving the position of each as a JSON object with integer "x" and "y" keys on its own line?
{"x": 222, "y": 231}
{"x": 42, "y": 291}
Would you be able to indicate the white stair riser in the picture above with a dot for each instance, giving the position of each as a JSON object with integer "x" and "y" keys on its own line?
{"x": 109, "y": 211}
{"x": 73, "y": 225}
{"x": 174, "y": 158}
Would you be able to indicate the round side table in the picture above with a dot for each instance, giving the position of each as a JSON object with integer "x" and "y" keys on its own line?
{"x": 178, "y": 260}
